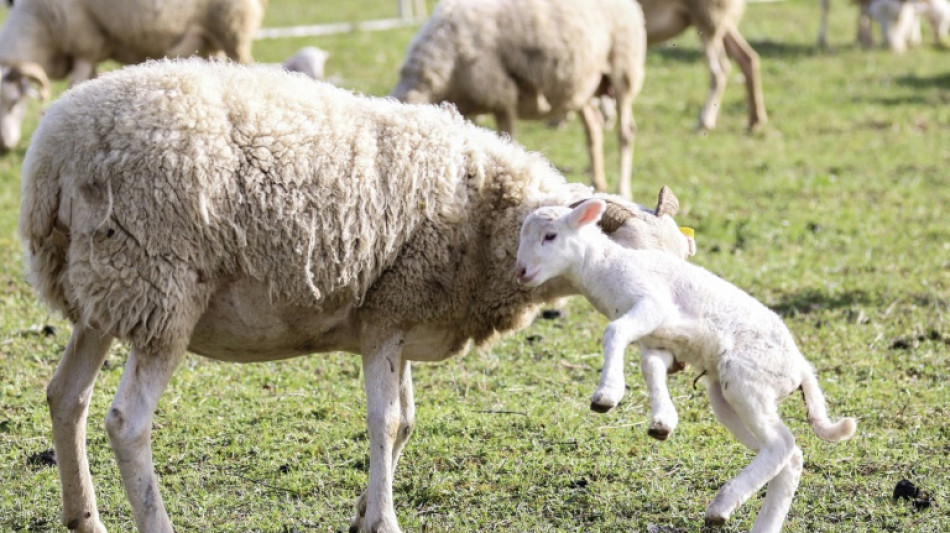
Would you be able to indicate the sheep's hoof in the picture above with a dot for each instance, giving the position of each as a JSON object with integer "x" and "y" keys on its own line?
{"x": 715, "y": 521}
{"x": 600, "y": 408}
{"x": 659, "y": 433}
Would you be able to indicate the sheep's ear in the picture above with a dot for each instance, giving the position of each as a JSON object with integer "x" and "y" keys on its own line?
{"x": 667, "y": 203}
{"x": 588, "y": 212}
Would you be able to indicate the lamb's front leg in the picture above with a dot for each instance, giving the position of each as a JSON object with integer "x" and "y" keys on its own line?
{"x": 629, "y": 327}
{"x": 381, "y": 367}
{"x": 654, "y": 365}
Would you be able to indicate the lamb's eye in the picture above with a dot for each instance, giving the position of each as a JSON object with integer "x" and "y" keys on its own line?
{"x": 548, "y": 237}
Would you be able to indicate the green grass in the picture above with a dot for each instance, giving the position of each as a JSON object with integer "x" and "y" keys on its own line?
{"x": 834, "y": 216}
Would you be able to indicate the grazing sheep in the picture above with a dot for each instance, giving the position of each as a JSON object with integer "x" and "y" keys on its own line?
{"x": 308, "y": 60}
{"x": 864, "y": 23}
{"x": 899, "y": 22}
{"x": 683, "y": 314}
{"x": 52, "y": 39}
{"x": 533, "y": 59}
{"x": 717, "y": 22}
{"x": 937, "y": 12}
{"x": 248, "y": 214}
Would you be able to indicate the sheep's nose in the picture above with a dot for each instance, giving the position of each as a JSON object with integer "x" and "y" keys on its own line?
{"x": 521, "y": 273}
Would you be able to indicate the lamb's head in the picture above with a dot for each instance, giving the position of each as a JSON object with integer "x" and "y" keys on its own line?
{"x": 17, "y": 83}
{"x": 553, "y": 239}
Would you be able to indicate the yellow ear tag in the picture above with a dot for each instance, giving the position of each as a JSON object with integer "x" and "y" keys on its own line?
{"x": 689, "y": 232}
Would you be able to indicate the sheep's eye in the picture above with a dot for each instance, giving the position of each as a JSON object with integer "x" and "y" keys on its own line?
{"x": 548, "y": 237}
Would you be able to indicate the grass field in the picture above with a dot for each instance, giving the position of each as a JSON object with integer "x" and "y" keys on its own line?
{"x": 834, "y": 216}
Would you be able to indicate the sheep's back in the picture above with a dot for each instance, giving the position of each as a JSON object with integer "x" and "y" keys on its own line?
{"x": 179, "y": 168}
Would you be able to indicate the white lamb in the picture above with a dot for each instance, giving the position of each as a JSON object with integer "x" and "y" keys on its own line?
{"x": 533, "y": 59}
{"x": 248, "y": 214}
{"x": 52, "y": 39}
{"x": 683, "y": 314}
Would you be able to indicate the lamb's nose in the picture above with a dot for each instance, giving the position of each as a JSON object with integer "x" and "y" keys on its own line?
{"x": 521, "y": 273}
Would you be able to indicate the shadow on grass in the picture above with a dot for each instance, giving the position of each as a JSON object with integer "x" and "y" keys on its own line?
{"x": 938, "y": 81}
{"x": 812, "y": 300}
{"x": 766, "y": 49}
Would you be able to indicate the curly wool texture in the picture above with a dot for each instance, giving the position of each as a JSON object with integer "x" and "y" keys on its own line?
{"x": 188, "y": 174}
{"x": 494, "y": 55}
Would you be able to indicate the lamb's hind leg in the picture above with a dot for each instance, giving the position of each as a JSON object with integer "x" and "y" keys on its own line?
{"x": 757, "y": 410}
{"x": 781, "y": 489}
{"x": 654, "y": 365}
{"x": 68, "y": 395}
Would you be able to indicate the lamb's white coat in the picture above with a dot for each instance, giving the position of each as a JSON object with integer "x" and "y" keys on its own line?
{"x": 534, "y": 59}
{"x": 52, "y": 39}
{"x": 249, "y": 214}
{"x": 682, "y": 313}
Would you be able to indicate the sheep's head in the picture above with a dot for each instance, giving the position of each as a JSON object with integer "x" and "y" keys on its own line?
{"x": 552, "y": 240}
{"x": 636, "y": 227}
{"x": 17, "y": 83}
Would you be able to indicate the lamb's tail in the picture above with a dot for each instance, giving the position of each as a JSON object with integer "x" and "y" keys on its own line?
{"x": 45, "y": 238}
{"x": 818, "y": 415}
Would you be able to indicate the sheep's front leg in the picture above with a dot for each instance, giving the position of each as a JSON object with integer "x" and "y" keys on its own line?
{"x": 639, "y": 321}
{"x": 382, "y": 365}
{"x": 68, "y": 395}
{"x": 83, "y": 70}
{"x": 663, "y": 418}
{"x": 718, "y": 65}
{"x": 407, "y": 421}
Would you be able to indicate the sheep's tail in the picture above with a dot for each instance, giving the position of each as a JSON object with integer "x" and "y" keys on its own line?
{"x": 45, "y": 238}
{"x": 818, "y": 415}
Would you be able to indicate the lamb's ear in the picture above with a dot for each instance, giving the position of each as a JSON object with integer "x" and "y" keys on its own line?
{"x": 588, "y": 212}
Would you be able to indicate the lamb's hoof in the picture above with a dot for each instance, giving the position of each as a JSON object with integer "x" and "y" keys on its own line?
{"x": 715, "y": 521}
{"x": 659, "y": 433}
{"x": 599, "y": 407}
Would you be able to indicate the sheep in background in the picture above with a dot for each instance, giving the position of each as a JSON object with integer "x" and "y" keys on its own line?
{"x": 938, "y": 13}
{"x": 52, "y": 39}
{"x": 682, "y": 314}
{"x": 864, "y": 24}
{"x": 533, "y": 59}
{"x": 899, "y": 22}
{"x": 247, "y": 214}
{"x": 309, "y": 61}
{"x": 717, "y": 22}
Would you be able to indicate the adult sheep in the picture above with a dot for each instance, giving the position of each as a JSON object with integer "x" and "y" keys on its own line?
{"x": 717, "y": 22}
{"x": 247, "y": 214}
{"x": 533, "y": 59}
{"x": 52, "y": 39}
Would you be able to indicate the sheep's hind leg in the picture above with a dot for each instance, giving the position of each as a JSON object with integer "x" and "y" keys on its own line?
{"x": 758, "y": 414}
{"x": 382, "y": 364}
{"x": 129, "y": 423}
{"x": 594, "y": 130}
{"x": 68, "y": 394}
{"x": 663, "y": 418}
{"x": 742, "y": 53}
